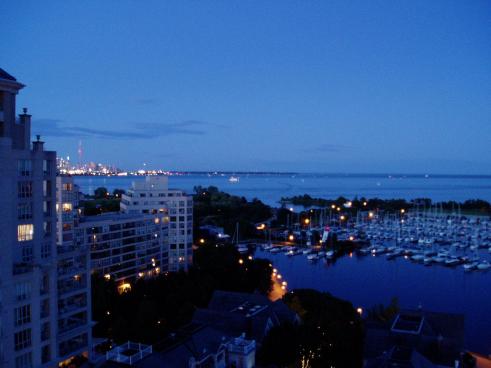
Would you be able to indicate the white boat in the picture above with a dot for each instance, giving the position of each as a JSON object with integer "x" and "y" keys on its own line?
{"x": 234, "y": 179}
{"x": 427, "y": 261}
{"x": 452, "y": 261}
{"x": 312, "y": 257}
{"x": 470, "y": 266}
{"x": 330, "y": 254}
{"x": 418, "y": 257}
{"x": 307, "y": 251}
{"x": 484, "y": 265}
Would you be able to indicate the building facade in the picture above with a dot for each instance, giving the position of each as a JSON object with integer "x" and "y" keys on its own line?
{"x": 125, "y": 247}
{"x": 73, "y": 276}
{"x": 153, "y": 196}
{"x": 28, "y": 275}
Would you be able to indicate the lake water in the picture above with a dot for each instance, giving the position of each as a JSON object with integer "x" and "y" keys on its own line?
{"x": 270, "y": 188}
{"x": 370, "y": 280}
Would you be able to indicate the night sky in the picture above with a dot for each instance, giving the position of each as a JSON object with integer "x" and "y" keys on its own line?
{"x": 313, "y": 86}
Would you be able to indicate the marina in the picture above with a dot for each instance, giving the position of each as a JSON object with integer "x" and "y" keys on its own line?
{"x": 441, "y": 263}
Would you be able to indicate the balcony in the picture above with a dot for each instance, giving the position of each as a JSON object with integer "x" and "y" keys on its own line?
{"x": 72, "y": 324}
{"x": 22, "y": 268}
{"x": 71, "y": 270}
{"x": 72, "y": 307}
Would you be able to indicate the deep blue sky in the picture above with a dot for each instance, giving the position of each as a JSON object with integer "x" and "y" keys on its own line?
{"x": 326, "y": 86}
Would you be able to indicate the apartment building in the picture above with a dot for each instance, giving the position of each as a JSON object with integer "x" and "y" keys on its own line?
{"x": 28, "y": 275}
{"x": 153, "y": 196}
{"x": 125, "y": 247}
{"x": 73, "y": 276}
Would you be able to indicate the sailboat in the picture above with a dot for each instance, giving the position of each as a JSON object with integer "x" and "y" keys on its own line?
{"x": 242, "y": 248}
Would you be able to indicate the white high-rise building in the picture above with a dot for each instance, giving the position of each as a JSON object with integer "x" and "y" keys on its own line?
{"x": 153, "y": 196}
{"x": 28, "y": 275}
{"x": 124, "y": 247}
{"x": 73, "y": 280}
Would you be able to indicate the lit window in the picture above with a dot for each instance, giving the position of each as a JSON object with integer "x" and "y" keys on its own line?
{"x": 25, "y": 232}
{"x": 67, "y": 207}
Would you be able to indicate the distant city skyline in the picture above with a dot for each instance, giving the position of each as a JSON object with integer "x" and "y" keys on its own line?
{"x": 359, "y": 87}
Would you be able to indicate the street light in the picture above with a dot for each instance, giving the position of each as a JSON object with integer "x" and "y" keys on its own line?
{"x": 306, "y": 221}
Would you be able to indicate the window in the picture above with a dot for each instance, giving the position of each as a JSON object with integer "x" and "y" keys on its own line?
{"x": 24, "y": 211}
{"x": 67, "y": 187}
{"x": 24, "y": 189}
{"x": 66, "y": 207}
{"x": 44, "y": 312}
{"x": 22, "y": 339}
{"x": 45, "y": 250}
{"x": 24, "y": 361}
{"x": 45, "y": 331}
{"x": 47, "y": 167}
{"x": 23, "y": 290}
{"x": 47, "y": 188}
{"x": 44, "y": 287}
{"x": 27, "y": 254}
{"x": 25, "y": 232}
{"x": 22, "y": 315}
{"x": 24, "y": 167}
{"x": 47, "y": 208}
{"x": 45, "y": 354}
{"x": 47, "y": 228}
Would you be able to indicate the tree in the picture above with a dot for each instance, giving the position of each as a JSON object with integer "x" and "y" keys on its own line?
{"x": 118, "y": 192}
{"x": 100, "y": 193}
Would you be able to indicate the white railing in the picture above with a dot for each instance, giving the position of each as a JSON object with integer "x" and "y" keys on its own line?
{"x": 121, "y": 353}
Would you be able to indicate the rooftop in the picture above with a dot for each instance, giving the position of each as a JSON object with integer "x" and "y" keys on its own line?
{"x": 115, "y": 217}
{"x": 7, "y": 76}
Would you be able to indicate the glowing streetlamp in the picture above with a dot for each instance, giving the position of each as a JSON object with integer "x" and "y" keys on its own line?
{"x": 306, "y": 221}
{"x": 291, "y": 237}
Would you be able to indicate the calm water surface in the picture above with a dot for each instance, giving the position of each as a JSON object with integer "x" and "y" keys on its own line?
{"x": 270, "y": 188}
{"x": 369, "y": 280}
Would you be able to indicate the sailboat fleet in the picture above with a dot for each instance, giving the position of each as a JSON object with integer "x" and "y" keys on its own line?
{"x": 430, "y": 239}
{"x": 420, "y": 237}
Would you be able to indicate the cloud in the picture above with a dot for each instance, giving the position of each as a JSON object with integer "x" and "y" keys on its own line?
{"x": 56, "y": 128}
